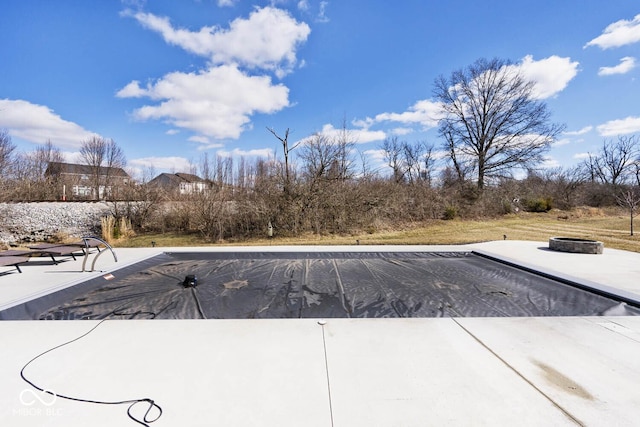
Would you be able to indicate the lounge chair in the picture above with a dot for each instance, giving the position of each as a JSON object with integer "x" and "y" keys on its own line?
{"x": 85, "y": 244}
{"x": 13, "y": 261}
{"x": 51, "y": 252}
{"x": 58, "y": 248}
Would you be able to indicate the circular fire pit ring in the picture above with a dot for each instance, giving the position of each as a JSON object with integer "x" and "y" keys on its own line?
{"x": 579, "y": 246}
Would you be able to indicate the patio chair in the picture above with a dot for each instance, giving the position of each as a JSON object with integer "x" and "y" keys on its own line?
{"x": 51, "y": 252}
{"x": 13, "y": 261}
{"x": 86, "y": 244}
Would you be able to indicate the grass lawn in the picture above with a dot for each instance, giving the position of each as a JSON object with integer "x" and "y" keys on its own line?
{"x": 611, "y": 227}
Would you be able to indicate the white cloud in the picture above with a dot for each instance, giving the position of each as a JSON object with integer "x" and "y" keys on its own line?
{"x": 551, "y": 74}
{"x": 204, "y": 147}
{"x": 620, "y": 33}
{"x": 72, "y": 156}
{"x": 582, "y": 131}
{"x": 319, "y": 12}
{"x": 267, "y": 40}
{"x": 226, "y": 3}
{"x": 199, "y": 138}
{"x": 560, "y": 142}
{"x": 359, "y": 136}
{"x": 363, "y": 123}
{"x": 620, "y": 127}
{"x": 581, "y": 156}
{"x": 205, "y": 143}
{"x": 322, "y": 14}
{"x": 424, "y": 112}
{"x": 626, "y": 64}
{"x": 161, "y": 163}
{"x": 131, "y": 90}
{"x": 136, "y": 4}
{"x": 401, "y": 131}
{"x": 173, "y": 131}
{"x": 38, "y": 124}
{"x": 237, "y": 152}
{"x": 216, "y": 103}
{"x": 377, "y": 154}
{"x": 550, "y": 163}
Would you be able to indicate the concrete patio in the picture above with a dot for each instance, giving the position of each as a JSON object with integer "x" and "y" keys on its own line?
{"x": 335, "y": 372}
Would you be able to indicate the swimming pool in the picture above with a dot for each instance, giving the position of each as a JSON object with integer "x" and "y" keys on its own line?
{"x": 260, "y": 285}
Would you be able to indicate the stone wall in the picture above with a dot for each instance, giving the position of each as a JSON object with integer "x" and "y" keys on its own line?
{"x": 37, "y": 222}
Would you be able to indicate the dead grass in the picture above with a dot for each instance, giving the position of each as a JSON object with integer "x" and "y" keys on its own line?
{"x": 161, "y": 239}
{"x": 608, "y": 226}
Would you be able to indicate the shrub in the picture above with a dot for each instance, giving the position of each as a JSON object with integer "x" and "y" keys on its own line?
{"x": 115, "y": 229}
{"x": 108, "y": 225}
{"x": 507, "y": 207}
{"x": 539, "y": 204}
{"x": 450, "y": 212}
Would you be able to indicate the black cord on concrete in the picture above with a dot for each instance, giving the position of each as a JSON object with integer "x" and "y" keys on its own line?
{"x": 145, "y": 420}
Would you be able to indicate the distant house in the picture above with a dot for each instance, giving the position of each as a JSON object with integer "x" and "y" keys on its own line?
{"x": 87, "y": 182}
{"x": 181, "y": 183}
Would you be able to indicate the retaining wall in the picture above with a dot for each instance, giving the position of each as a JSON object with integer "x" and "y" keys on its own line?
{"x": 31, "y": 222}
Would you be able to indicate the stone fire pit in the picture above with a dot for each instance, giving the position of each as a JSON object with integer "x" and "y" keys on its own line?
{"x": 580, "y": 246}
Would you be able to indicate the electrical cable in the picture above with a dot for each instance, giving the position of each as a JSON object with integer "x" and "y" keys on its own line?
{"x": 198, "y": 305}
{"x": 145, "y": 420}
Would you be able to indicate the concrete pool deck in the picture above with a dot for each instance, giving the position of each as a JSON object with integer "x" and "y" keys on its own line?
{"x": 360, "y": 372}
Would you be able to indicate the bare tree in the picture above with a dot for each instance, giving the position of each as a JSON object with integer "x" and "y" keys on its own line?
{"x": 43, "y": 155}
{"x": 205, "y": 167}
{"x": 286, "y": 151}
{"x": 409, "y": 162}
{"x": 614, "y": 163}
{"x": 224, "y": 171}
{"x": 317, "y": 154}
{"x": 7, "y": 149}
{"x": 30, "y": 182}
{"x": 419, "y": 161}
{"x": 7, "y": 164}
{"x": 636, "y": 171}
{"x": 589, "y": 168}
{"x": 243, "y": 174}
{"x": 428, "y": 163}
{"x": 343, "y": 167}
{"x": 412, "y": 154}
{"x": 366, "y": 172}
{"x": 393, "y": 155}
{"x": 92, "y": 152}
{"x": 629, "y": 198}
{"x": 326, "y": 158}
{"x": 103, "y": 156}
{"x": 565, "y": 185}
{"x": 491, "y": 120}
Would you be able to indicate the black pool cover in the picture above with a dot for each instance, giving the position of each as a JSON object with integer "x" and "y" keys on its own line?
{"x": 319, "y": 285}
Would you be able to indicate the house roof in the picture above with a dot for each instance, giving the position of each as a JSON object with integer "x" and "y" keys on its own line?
{"x": 57, "y": 168}
{"x": 189, "y": 177}
{"x": 175, "y": 179}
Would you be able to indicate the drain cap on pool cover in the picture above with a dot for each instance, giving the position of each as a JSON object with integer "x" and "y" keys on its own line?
{"x": 190, "y": 281}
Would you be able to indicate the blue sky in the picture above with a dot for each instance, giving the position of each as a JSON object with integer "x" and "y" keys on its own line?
{"x": 169, "y": 80}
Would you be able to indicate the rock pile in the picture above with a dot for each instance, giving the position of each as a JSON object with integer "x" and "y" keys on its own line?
{"x": 37, "y": 222}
